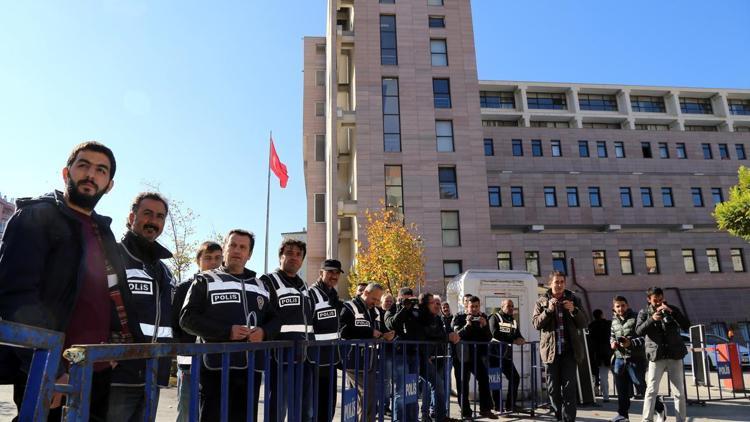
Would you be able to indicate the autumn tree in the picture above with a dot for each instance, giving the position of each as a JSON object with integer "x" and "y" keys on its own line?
{"x": 733, "y": 215}
{"x": 392, "y": 255}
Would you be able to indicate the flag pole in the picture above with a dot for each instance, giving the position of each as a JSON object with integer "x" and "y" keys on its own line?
{"x": 268, "y": 201}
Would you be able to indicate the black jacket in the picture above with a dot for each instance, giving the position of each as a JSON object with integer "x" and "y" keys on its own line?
{"x": 180, "y": 293}
{"x": 663, "y": 340}
{"x": 471, "y": 333}
{"x": 433, "y": 331}
{"x": 504, "y": 329}
{"x": 600, "y": 352}
{"x": 40, "y": 258}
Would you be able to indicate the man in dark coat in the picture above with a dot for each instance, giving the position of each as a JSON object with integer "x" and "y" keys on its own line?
{"x": 600, "y": 351}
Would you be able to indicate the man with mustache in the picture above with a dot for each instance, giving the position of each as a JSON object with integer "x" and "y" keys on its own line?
{"x": 60, "y": 269}
{"x": 150, "y": 283}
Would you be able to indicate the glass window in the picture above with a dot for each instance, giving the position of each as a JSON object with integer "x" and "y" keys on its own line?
{"x": 626, "y": 262}
{"x": 572, "y": 193}
{"x": 653, "y": 127}
{"x": 619, "y": 150}
{"x": 652, "y": 261}
{"x": 448, "y": 185}
{"x": 320, "y": 109}
{"x": 696, "y": 105}
{"x": 387, "y": 1}
{"x": 489, "y": 147}
{"x": 739, "y": 107}
{"x": 688, "y": 260}
{"x": 724, "y": 151}
{"x": 740, "y": 150}
{"x": 504, "y": 261}
{"x": 546, "y": 101}
{"x": 450, "y": 227}
{"x": 717, "y": 196}
{"x": 600, "y": 262}
{"x": 601, "y": 125}
{"x": 550, "y": 197}
{"x": 391, "y": 116}
{"x": 595, "y": 199}
{"x": 681, "y": 151}
{"x": 647, "y": 104}
{"x": 558, "y": 262}
{"x": 532, "y": 262}
{"x": 388, "y": 50}
{"x": 536, "y": 147}
{"x": 707, "y": 153}
{"x": 320, "y": 77}
{"x": 517, "y": 148}
{"x": 666, "y": 197}
{"x": 583, "y": 148}
{"x": 452, "y": 268}
{"x": 626, "y": 200}
{"x": 646, "y": 197}
{"x": 516, "y": 196}
{"x": 441, "y": 91}
{"x": 556, "y": 148}
{"x": 597, "y": 102}
{"x": 444, "y": 134}
{"x": 437, "y": 21}
{"x": 601, "y": 149}
{"x": 439, "y": 52}
{"x": 646, "y": 149}
{"x": 394, "y": 189}
{"x": 663, "y": 150}
{"x": 494, "y": 194}
{"x": 434, "y": 2}
{"x": 320, "y": 208}
{"x": 550, "y": 125}
{"x": 738, "y": 261}
{"x": 497, "y": 99}
{"x": 320, "y": 147}
{"x": 714, "y": 266}
{"x": 697, "y": 197}
{"x": 701, "y": 128}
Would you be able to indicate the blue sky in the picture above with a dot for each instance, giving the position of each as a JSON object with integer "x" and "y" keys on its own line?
{"x": 186, "y": 93}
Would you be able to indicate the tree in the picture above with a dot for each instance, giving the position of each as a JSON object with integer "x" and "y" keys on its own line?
{"x": 733, "y": 215}
{"x": 393, "y": 254}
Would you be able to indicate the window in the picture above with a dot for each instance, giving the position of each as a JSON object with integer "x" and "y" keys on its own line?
{"x": 394, "y": 189}
{"x": 738, "y": 261}
{"x": 434, "y": 2}
{"x": 494, "y": 194}
{"x": 600, "y": 262}
{"x": 681, "y": 151}
{"x": 738, "y": 128}
{"x": 320, "y": 109}
{"x": 320, "y": 208}
{"x": 550, "y": 197}
{"x": 583, "y": 148}
{"x": 666, "y": 197}
{"x": 388, "y": 49}
{"x": 489, "y": 147}
{"x": 597, "y": 102}
{"x": 688, "y": 260}
{"x": 517, "y": 148}
{"x": 452, "y": 268}
{"x": 600, "y": 125}
{"x": 441, "y": 91}
{"x": 646, "y": 197}
{"x": 653, "y": 127}
{"x": 701, "y": 128}
{"x": 499, "y": 123}
{"x": 497, "y": 99}
{"x": 717, "y": 196}
{"x": 320, "y": 49}
{"x": 595, "y": 199}
{"x": 536, "y": 147}
{"x": 556, "y": 148}
{"x": 572, "y": 193}
{"x": 652, "y": 261}
{"x": 551, "y": 125}
{"x": 387, "y": 1}
{"x": 714, "y": 266}
{"x": 646, "y": 149}
{"x": 647, "y": 104}
{"x": 558, "y": 262}
{"x": 707, "y": 153}
{"x": 532, "y": 262}
{"x": 516, "y": 196}
{"x": 391, "y": 116}
{"x": 439, "y": 52}
{"x": 696, "y": 105}
{"x": 619, "y": 150}
{"x": 625, "y": 199}
{"x": 723, "y": 151}
{"x": 448, "y": 185}
{"x": 740, "y": 150}
{"x": 626, "y": 262}
{"x": 601, "y": 149}
{"x": 444, "y": 134}
{"x": 546, "y": 101}
{"x": 450, "y": 227}
{"x": 320, "y": 147}
{"x": 663, "y": 150}
{"x": 437, "y": 21}
{"x": 504, "y": 261}
{"x": 697, "y": 197}
{"x": 739, "y": 107}
{"x": 320, "y": 78}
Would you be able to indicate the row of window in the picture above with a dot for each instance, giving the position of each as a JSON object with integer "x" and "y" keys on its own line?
{"x": 429, "y": 2}
{"x": 603, "y": 125}
{"x": 602, "y": 150}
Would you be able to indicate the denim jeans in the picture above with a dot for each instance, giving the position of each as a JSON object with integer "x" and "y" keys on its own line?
{"x": 183, "y": 393}
{"x": 433, "y": 389}
{"x": 562, "y": 385}
{"x": 403, "y": 365}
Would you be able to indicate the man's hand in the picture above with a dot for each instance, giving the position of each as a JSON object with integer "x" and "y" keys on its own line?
{"x": 551, "y": 304}
{"x": 568, "y": 305}
{"x": 255, "y": 335}
{"x": 376, "y": 334}
{"x": 664, "y": 308}
{"x": 614, "y": 345}
{"x": 239, "y": 332}
{"x": 656, "y": 316}
{"x": 625, "y": 343}
{"x": 482, "y": 321}
{"x": 57, "y": 397}
{"x": 519, "y": 341}
{"x": 389, "y": 335}
{"x": 453, "y": 337}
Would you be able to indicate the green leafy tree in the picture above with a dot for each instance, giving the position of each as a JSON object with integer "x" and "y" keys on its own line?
{"x": 733, "y": 215}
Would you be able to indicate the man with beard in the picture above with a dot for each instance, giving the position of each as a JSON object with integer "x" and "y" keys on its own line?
{"x": 150, "y": 283}
{"x": 60, "y": 269}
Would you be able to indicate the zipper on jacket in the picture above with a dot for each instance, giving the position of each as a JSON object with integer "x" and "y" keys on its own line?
{"x": 155, "y": 337}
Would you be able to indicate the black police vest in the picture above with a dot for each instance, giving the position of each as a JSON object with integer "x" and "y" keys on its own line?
{"x": 354, "y": 353}
{"x": 294, "y": 309}
{"x": 326, "y": 327}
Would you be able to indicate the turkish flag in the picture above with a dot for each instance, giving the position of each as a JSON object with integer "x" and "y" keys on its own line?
{"x": 277, "y": 167}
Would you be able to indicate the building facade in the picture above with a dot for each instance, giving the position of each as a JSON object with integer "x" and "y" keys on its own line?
{"x": 7, "y": 208}
{"x": 613, "y": 185}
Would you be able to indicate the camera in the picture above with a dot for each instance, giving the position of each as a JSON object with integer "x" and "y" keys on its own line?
{"x": 409, "y": 302}
{"x": 666, "y": 317}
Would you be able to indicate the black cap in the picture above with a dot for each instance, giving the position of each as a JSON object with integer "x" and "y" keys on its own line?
{"x": 331, "y": 265}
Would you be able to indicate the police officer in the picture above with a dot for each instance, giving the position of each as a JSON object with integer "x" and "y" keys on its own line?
{"x": 505, "y": 329}
{"x": 229, "y": 304}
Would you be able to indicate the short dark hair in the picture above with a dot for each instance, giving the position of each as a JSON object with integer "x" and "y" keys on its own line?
{"x": 405, "y": 291}
{"x": 598, "y": 313}
{"x": 425, "y": 298}
{"x": 362, "y": 285}
{"x": 96, "y": 147}
{"x": 207, "y": 246}
{"x": 242, "y": 232}
{"x": 288, "y": 243}
{"x": 468, "y": 295}
{"x": 654, "y": 291}
{"x": 619, "y": 299}
{"x": 156, "y": 196}
{"x": 554, "y": 274}
{"x": 474, "y": 299}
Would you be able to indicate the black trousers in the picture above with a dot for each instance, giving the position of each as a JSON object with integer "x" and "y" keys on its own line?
{"x": 326, "y": 390}
{"x": 479, "y": 369}
{"x": 514, "y": 380}
{"x": 210, "y": 395}
{"x": 562, "y": 386}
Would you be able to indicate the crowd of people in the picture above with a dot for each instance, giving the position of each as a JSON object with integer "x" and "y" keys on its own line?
{"x": 61, "y": 268}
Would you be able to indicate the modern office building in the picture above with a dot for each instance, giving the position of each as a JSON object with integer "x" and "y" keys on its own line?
{"x": 612, "y": 184}
{"x": 7, "y": 208}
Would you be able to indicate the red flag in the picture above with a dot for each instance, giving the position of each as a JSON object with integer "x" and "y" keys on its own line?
{"x": 277, "y": 167}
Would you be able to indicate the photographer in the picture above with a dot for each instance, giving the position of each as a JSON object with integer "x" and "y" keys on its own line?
{"x": 403, "y": 318}
{"x": 661, "y": 324}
